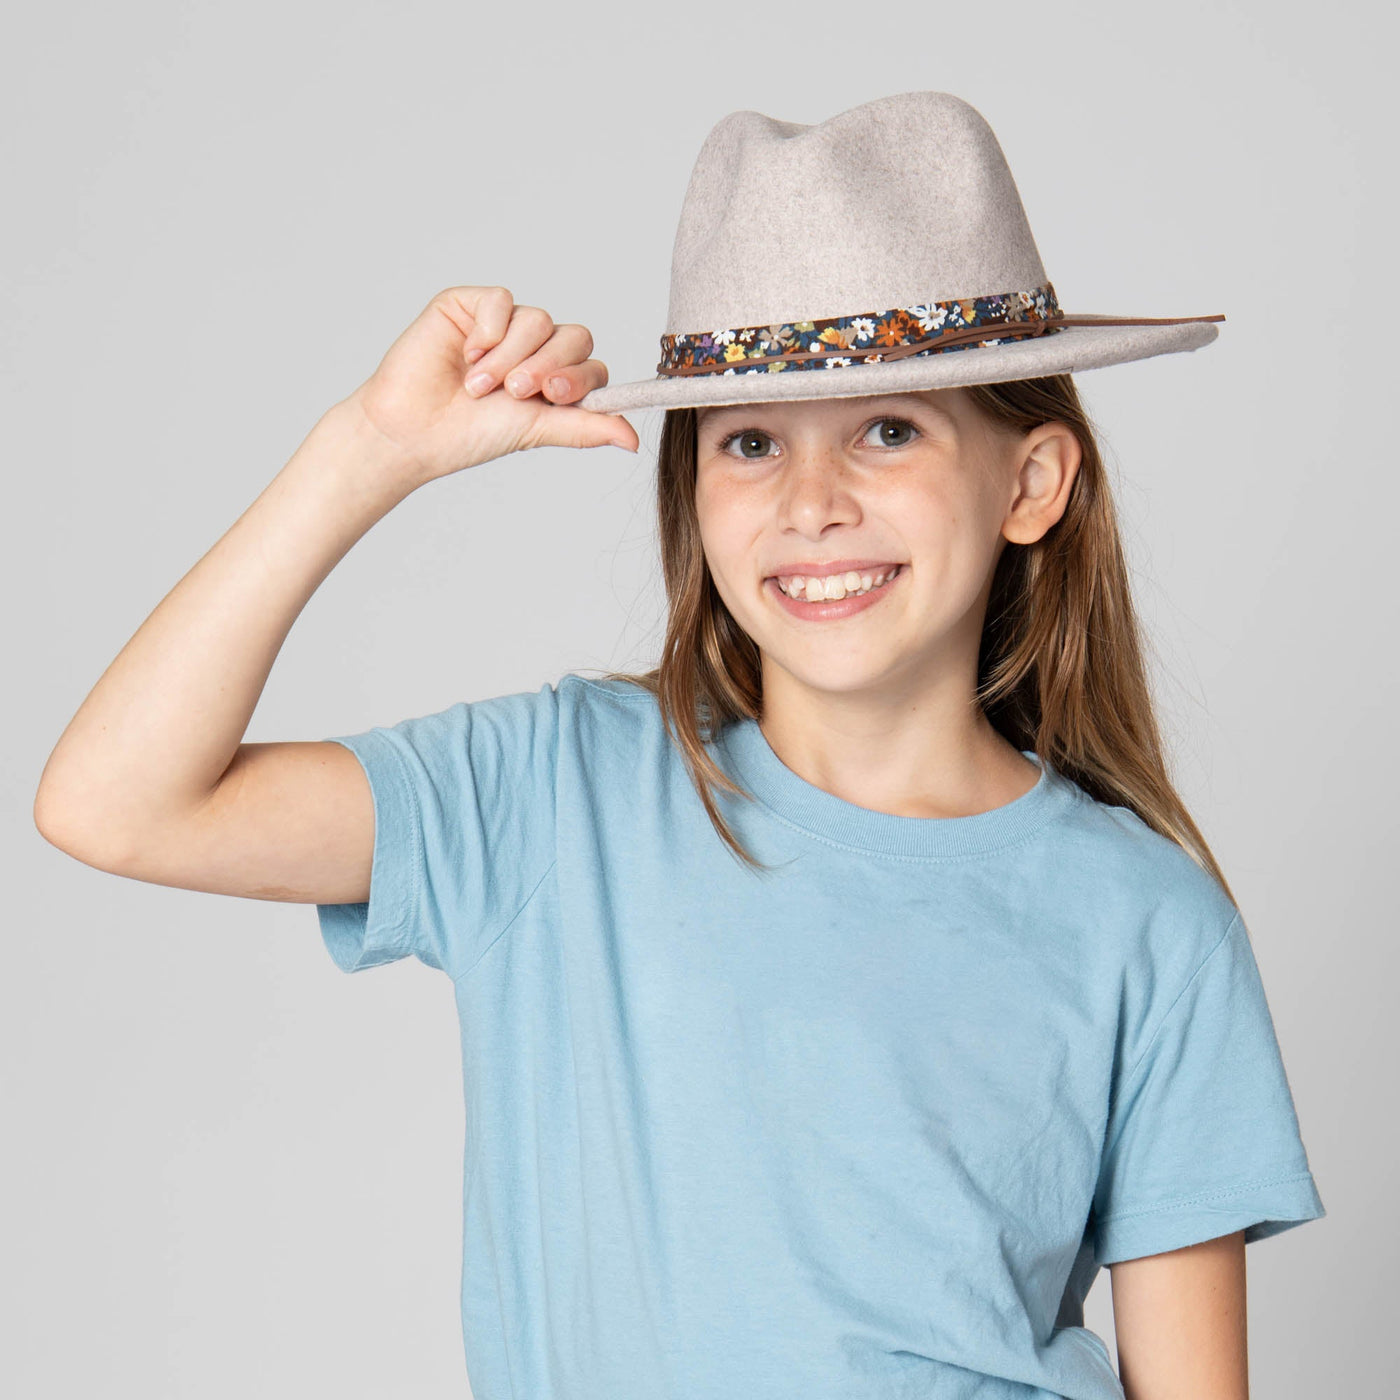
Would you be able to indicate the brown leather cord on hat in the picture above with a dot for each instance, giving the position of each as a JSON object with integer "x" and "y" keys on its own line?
{"x": 992, "y": 330}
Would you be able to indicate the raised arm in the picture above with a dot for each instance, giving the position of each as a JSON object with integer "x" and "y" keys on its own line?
{"x": 151, "y": 779}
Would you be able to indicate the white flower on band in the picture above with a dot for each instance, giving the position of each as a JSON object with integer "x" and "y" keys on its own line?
{"x": 930, "y": 317}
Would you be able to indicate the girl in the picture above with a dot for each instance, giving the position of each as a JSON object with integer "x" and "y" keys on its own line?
{"x": 837, "y": 998}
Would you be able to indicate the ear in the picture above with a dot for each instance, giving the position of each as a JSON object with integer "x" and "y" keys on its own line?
{"x": 1045, "y": 461}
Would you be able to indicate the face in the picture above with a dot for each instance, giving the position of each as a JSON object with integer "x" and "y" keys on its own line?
{"x": 917, "y": 490}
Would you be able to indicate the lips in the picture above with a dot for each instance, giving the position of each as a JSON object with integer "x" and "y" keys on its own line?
{"x": 829, "y": 609}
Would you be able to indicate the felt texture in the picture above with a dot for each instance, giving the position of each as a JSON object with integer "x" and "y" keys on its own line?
{"x": 901, "y": 201}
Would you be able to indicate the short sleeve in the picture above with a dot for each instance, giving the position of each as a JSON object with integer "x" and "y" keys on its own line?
{"x": 463, "y": 831}
{"x": 1202, "y": 1136}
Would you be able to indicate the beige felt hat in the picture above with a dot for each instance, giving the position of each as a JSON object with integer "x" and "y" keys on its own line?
{"x": 884, "y": 250}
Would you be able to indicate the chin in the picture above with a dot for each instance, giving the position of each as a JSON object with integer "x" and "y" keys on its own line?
{"x": 839, "y": 677}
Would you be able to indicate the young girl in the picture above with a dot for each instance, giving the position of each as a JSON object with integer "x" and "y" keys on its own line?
{"x": 839, "y": 997}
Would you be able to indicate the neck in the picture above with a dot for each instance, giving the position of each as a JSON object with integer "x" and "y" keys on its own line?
{"x": 925, "y": 752}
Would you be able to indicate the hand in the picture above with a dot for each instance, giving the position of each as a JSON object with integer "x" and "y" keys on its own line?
{"x": 419, "y": 402}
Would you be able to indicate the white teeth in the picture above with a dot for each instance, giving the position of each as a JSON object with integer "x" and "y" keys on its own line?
{"x": 835, "y": 586}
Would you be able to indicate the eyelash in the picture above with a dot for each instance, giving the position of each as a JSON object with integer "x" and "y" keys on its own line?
{"x": 904, "y": 422}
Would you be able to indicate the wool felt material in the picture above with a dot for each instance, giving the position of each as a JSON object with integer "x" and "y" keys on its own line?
{"x": 901, "y": 202}
{"x": 867, "y": 1125}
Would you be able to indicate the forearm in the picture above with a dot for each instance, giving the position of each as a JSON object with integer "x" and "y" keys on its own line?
{"x": 161, "y": 726}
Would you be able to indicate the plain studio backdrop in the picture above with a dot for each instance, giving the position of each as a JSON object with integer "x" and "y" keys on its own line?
{"x": 229, "y": 1169}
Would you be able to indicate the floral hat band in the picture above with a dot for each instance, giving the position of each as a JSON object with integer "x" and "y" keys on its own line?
{"x": 872, "y": 336}
{"x": 905, "y": 202}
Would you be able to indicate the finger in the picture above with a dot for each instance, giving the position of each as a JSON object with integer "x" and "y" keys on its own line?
{"x": 570, "y": 382}
{"x": 490, "y": 310}
{"x": 529, "y": 328}
{"x": 582, "y": 427}
{"x": 582, "y": 377}
{"x": 564, "y": 351}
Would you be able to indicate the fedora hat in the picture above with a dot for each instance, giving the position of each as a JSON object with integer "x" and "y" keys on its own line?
{"x": 884, "y": 250}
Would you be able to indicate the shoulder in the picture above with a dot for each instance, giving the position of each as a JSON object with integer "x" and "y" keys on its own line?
{"x": 556, "y": 702}
{"x": 607, "y": 702}
{"x": 609, "y": 716}
{"x": 1171, "y": 909}
{"x": 1134, "y": 851}
{"x": 598, "y": 691}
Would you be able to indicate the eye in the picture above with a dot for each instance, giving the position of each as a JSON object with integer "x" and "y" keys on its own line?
{"x": 754, "y": 438}
{"x": 746, "y": 437}
{"x": 897, "y": 424}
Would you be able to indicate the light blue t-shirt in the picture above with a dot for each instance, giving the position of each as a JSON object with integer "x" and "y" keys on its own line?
{"x": 866, "y": 1127}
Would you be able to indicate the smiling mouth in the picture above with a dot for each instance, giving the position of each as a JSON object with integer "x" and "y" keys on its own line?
{"x": 852, "y": 583}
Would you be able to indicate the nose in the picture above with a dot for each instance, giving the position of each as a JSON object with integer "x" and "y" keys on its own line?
{"x": 814, "y": 493}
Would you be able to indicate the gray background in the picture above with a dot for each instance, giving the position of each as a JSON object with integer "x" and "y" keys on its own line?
{"x": 230, "y": 1169}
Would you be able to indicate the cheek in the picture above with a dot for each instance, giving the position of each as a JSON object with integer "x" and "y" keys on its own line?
{"x": 929, "y": 522}
{"x": 710, "y": 531}
{"x": 719, "y": 512}
{"x": 706, "y": 503}
{"x": 949, "y": 536}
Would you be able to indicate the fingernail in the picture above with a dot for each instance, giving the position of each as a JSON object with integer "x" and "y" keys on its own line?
{"x": 557, "y": 387}
{"x": 474, "y": 354}
{"x": 478, "y": 383}
{"x": 519, "y": 384}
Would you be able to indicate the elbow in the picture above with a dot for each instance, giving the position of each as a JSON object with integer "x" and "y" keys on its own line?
{"x": 47, "y": 818}
{"x": 95, "y": 843}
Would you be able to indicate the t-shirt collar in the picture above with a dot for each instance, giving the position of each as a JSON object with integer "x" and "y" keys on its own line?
{"x": 756, "y": 767}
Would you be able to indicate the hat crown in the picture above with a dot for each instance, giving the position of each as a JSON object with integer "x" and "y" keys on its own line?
{"x": 902, "y": 201}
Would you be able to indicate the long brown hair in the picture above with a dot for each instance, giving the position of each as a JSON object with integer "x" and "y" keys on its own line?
{"x": 1060, "y": 669}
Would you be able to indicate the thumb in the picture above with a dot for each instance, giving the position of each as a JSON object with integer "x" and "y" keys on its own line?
{"x": 582, "y": 427}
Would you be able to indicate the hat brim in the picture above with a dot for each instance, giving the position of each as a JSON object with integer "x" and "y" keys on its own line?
{"x": 1065, "y": 351}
